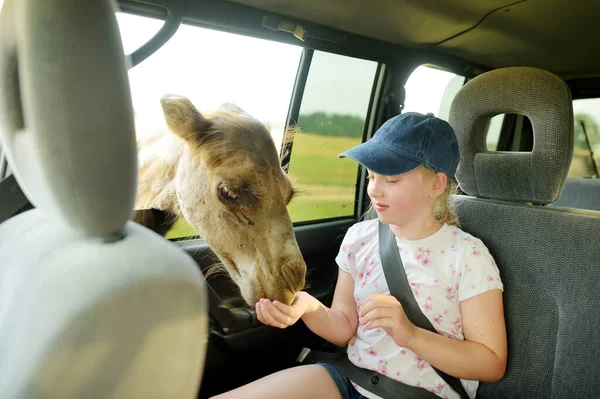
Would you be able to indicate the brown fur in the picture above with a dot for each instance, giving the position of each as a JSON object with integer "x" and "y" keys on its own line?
{"x": 221, "y": 172}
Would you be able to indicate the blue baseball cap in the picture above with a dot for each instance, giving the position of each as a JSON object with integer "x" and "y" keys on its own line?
{"x": 406, "y": 142}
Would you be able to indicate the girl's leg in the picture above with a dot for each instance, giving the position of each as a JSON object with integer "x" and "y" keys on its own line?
{"x": 302, "y": 382}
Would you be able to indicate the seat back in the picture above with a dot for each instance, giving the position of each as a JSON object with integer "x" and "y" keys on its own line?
{"x": 581, "y": 193}
{"x": 91, "y": 304}
{"x": 548, "y": 257}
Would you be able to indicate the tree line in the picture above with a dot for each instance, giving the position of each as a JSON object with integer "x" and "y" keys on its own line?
{"x": 331, "y": 124}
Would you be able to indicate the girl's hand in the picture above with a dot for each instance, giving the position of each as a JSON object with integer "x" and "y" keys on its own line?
{"x": 279, "y": 315}
{"x": 384, "y": 311}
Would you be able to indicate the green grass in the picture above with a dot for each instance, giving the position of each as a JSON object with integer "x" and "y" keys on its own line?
{"x": 181, "y": 228}
{"x": 313, "y": 210}
{"x": 315, "y": 161}
{"x": 324, "y": 183}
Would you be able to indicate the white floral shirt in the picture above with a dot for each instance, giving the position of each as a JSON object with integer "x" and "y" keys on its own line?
{"x": 443, "y": 270}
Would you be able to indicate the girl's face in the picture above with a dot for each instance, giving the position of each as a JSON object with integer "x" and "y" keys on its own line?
{"x": 407, "y": 198}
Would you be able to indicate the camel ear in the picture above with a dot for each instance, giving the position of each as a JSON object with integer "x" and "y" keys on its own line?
{"x": 232, "y": 107}
{"x": 182, "y": 117}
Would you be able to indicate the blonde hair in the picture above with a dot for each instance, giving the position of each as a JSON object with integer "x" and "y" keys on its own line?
{"x": 442, "y": 209}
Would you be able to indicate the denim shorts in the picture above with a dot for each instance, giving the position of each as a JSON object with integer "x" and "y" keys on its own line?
{"x": 344, "y": 385}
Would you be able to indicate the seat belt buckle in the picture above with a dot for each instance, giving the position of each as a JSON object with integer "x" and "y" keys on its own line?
{"x": 303, "y": 353}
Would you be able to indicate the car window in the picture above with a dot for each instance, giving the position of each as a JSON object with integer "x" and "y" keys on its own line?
{"x": 586, "y": 145}
{"x": 331, "y": 120}
{"x": 493, "y": 133}
{"x": 586, "y": 149}
{"x": 212, "y": 67}
{"x": 431, "y": 90}
{"x": 257, "y": 75}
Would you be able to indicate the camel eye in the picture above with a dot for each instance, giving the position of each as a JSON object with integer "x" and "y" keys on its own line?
{"x": 227, "y": 195}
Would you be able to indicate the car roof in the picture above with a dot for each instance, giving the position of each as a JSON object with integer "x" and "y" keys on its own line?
{"x": 560, "y": 37}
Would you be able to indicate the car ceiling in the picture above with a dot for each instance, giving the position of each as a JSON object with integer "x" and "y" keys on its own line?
{"x": 558, "y": 36}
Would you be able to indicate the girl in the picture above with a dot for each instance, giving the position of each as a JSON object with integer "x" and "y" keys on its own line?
{"x": 454, "y": 279}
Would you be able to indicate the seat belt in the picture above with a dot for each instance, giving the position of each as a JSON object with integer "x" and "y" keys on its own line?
{"x": 12, "y": 198}
{"x": 373, "y": 381}
{"x": 395, "y": 276}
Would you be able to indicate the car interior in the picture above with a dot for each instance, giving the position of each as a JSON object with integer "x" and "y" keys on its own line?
{"x": 93, "y": 304}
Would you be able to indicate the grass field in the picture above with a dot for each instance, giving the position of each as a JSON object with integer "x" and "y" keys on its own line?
{"x": 324, "y": 183}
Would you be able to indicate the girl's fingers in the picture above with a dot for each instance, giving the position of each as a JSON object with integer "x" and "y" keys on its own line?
{"x": 374, "y": 315}
{"x": 377, "y": 302}
{"x": 380, "y": 323}
{"x": 276, "y": 314}
{"x": 370, "y": 304}
{"x": 269, "y": 320}
{"x": 259, "y": 314}
{"x": 286, "y": 310}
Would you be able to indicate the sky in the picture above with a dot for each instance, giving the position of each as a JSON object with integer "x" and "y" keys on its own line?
{"x": 210, "y": 68}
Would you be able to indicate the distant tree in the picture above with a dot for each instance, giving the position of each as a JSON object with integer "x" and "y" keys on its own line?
{"x": 336, "y": 125}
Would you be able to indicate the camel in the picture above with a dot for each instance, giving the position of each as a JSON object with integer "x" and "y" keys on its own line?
{"x": 221, "y": 172}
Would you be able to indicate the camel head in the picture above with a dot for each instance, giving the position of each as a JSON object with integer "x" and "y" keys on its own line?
{"x": 231, "y": 188}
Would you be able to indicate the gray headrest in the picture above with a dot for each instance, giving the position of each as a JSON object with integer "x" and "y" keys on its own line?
{"x": 69, "y": 165}
{"x": 537, "y": 176}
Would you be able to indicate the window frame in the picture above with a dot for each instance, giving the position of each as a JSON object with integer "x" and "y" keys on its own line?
{"x": 292, "y": 116}
{"x": 375, "y": 102}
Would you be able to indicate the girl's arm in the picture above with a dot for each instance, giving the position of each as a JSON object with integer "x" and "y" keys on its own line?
{"x": 337, "y": 325}
{"x": 480, "y": 356}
